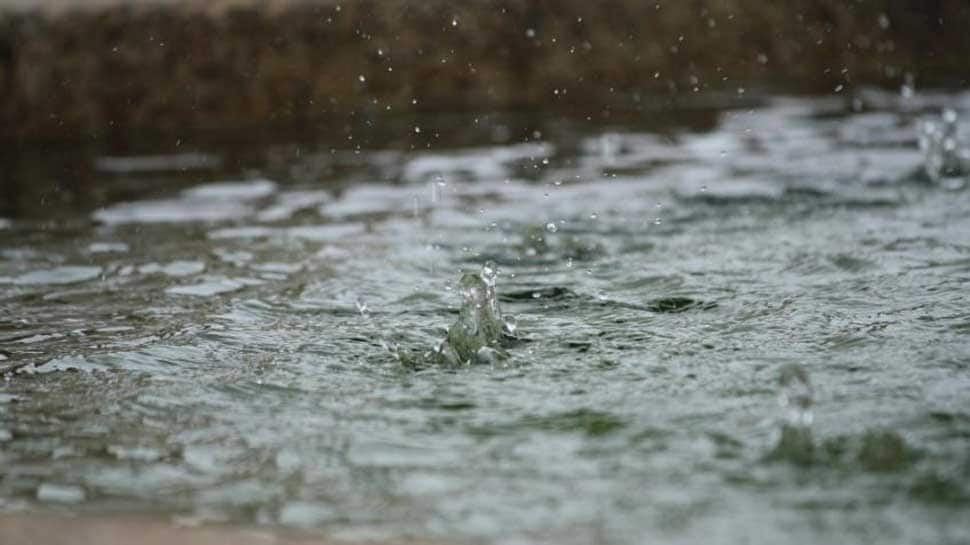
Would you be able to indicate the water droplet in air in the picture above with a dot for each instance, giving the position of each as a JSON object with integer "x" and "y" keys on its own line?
{"x": 594, "y": 216}
{"x": 362, "y": 78}
{"x": 510, "y": 325}
{"x": 551, "y": 227}
{"x": 489, "y": 273}
{"x": 454, "y": 22}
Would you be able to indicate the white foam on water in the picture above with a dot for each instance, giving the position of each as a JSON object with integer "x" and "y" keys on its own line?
{"x": 56, "y": 276}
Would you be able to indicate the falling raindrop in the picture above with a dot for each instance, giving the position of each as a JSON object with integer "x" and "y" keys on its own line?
{"x": 551, "y": 227}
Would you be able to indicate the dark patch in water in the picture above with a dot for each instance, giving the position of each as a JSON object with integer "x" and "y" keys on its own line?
{"x": 554, "y": 293}
{"x": 586, "y": 421}
{"x": 935, "y": 488}
{"x": 671, "y": 305}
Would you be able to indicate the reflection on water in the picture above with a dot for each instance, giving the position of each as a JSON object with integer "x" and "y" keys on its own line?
{"x": 220, "y": 349}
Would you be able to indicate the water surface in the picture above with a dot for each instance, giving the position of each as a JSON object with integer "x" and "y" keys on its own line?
{"x": 191, "y": 341}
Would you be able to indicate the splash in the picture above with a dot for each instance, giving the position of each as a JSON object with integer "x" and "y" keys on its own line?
{"x": 945, "y": 159}
{"x": 479, "y": 334}
{"x": 795, "y": 443}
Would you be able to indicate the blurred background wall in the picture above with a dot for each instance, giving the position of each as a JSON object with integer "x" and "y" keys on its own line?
{"x": 74, "y": 69}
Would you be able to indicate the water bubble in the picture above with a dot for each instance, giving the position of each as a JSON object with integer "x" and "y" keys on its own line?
{"x": 551, "y": 227}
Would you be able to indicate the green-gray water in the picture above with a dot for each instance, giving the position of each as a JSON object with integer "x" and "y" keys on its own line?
{"x": 218, "y": 351}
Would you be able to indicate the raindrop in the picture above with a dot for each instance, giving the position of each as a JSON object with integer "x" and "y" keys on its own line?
{"x": 362, "y": 78}
{"x": 551, "y": 227}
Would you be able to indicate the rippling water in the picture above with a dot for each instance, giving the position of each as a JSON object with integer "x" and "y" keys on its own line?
{"x": 199, "y": 350}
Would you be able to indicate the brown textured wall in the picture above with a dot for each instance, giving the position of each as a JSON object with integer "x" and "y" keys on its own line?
{"x": 88, "y": 73}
